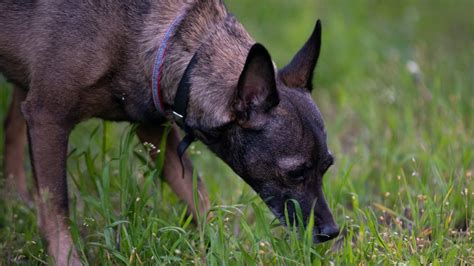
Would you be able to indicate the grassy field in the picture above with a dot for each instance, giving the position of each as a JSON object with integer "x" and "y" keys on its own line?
{"x": 395, "y": 83}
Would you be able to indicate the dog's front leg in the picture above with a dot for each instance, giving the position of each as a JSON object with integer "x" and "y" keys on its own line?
{"x": 48, "y": 133}
{"x": 172, "y": 170}
{"x": 15, "y": 140}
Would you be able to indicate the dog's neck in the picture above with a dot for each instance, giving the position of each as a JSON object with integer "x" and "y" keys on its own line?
{"x": 220, "y": 45}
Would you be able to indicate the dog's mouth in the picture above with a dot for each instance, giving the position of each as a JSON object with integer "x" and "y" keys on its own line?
{"x": 321, "y": 233}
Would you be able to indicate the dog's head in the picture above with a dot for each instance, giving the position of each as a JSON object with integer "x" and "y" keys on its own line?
{"x": 277, "y": 140}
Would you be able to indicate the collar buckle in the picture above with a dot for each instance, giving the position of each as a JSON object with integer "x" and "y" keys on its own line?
{"x": 178, "y": 119}
{"x": 177, "y": 116}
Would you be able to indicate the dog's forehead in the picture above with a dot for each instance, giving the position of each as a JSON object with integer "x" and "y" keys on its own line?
{"x": 299, "y": 105}
{"x": 297, "y": 130}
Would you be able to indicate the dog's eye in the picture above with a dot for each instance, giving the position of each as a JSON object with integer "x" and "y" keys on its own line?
{"x": 297, "y": 175}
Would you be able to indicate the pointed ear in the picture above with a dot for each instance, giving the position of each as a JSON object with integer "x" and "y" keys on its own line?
{"x": 256, "y": 90}
{"x": 299, "y": 72}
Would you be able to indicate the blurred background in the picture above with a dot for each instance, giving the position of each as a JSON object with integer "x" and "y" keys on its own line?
{"x": 395, "y": 84}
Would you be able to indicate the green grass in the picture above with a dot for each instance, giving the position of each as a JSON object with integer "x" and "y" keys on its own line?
{"x": 402, "y": 186}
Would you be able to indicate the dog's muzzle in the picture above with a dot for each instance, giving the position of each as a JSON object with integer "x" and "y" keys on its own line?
{"x": 325, "y": 233}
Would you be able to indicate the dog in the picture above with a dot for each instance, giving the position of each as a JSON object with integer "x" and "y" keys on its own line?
{"x": 149, "y": 62}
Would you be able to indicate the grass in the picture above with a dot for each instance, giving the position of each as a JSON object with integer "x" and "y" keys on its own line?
{"x": 402, "y": 186}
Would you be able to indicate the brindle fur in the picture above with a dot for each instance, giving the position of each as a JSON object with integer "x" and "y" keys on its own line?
{"x": 74, "y": 60}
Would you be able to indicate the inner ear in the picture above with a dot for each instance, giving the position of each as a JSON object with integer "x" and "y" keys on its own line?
{"x": 299, "y": 72}
{"x": 256, "y": 89}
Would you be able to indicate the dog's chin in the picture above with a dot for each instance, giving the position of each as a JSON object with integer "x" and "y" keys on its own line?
{"x": 318, "y": 239}
{"x": 319, "y": 235}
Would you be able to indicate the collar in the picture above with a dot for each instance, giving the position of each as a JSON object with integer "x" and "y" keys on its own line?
{"x": 159, "y": 63}
{"x": 180, "y": 107}
{"x": 178, "y": 111}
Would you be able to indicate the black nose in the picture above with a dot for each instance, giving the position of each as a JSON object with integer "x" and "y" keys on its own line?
{"x": 327, "y": 232}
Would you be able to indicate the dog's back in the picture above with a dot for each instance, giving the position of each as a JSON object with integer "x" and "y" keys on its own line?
{"x": 37, "y": 35}
{"x": 15, "y": 24}
{"x": 16, "y": 20}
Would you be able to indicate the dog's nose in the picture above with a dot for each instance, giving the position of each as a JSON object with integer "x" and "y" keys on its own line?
{"x": 328, "y": 232}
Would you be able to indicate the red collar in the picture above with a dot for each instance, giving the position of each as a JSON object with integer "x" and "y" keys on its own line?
{"x": 159, "y": 63}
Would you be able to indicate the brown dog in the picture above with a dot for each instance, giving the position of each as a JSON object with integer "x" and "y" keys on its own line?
{"x": 147, "y": 62}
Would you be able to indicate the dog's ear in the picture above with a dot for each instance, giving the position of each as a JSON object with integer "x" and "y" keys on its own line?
{"x": 256, "y": 91}
{"x": 299, "y": 72}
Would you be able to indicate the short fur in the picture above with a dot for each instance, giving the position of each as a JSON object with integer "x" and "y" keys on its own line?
{"x": 73, "y": 60}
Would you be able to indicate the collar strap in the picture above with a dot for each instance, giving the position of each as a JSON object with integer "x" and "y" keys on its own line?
{"x": 180, "y": 105}
{"x": 181, "y": 99}
{"x": 159, "y": 63}
{"x": 179, "y": 109}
